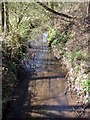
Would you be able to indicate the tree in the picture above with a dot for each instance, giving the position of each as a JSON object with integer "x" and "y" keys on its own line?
{"x": 7, "y": 17}
{"x": 3, "y": 18}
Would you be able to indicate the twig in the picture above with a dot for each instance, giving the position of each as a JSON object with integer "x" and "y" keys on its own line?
{"x": 75, "y": 111}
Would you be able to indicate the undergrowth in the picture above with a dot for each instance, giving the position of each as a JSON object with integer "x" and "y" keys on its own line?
{"x": 13, "y": 49}
{"x": 76, "y": 59}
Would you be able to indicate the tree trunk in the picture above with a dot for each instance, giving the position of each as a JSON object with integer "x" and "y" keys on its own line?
{"x": 7, "y": 17}
{"x": 2, "y": 13}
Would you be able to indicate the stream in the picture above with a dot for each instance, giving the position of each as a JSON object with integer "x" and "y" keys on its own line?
{"x": 41, "y": 93}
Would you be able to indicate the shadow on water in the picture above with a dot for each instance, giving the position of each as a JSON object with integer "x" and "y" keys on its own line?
{"x": 47, "y": 77}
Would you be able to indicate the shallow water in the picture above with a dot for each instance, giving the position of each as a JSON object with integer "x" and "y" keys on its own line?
{"x": 47, "y": 83}
{"x": 42, "y": 93}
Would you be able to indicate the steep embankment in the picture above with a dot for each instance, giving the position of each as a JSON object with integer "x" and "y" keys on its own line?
{"x": 70, "y": 45}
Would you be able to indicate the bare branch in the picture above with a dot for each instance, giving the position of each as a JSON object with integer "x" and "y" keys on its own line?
{"x": 53, "y": 11}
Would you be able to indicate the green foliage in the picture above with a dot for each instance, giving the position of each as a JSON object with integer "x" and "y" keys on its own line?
{"x": 54, "y": 37}
{"x": 86, "y": 84}
{"x": 78, "y": 54}
{"x": 51, "y": 36}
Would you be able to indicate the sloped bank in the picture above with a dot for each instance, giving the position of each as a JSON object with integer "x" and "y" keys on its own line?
{"x": 12, "y": 69}
{"x": 72, "y": 50}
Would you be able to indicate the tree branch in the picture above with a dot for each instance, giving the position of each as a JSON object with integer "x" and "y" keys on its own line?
{"x": 53, "y": 11}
